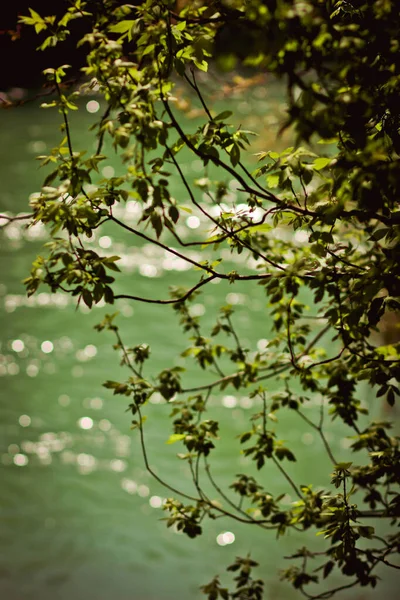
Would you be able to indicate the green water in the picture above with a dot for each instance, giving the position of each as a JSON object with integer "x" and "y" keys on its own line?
{"x": 80, "y": 516}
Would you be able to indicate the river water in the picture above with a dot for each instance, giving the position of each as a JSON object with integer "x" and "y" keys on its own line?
{"x": 81, "y": 518}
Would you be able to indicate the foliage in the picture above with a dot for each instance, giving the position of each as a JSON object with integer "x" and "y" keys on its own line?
{"x": 338, "y": 185}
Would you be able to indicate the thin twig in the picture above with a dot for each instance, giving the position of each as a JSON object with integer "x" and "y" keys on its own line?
{"x": 287, "y": 477}
{"x": 172, "y": 300}
{"x": 12, "y": 219}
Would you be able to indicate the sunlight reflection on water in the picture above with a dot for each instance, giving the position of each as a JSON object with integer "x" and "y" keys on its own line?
{"x": 67, "y": 451}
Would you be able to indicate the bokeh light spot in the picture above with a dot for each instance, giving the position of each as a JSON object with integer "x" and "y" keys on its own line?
{"x": 143, "y": 491}
{"x": 104, "y": 425}
{"x": 108, "y": 171}
{"x": 90, "y": 351}
{"x": 32, "y": 370}
{"x": 20, "y": 460}
{"x": 18, "y": 345}
{"x": 24, "y": 421}
{"x": 47, "y": 347}
{"x": 193, "y": 222}
{"x": 129, "y": 486}
{"x": 105, "y": 241}
{"x": 225, "y": 538}
{"x": 156, "y": 502}
{"x": 92, "y": 106}
{"x": 64, "y": 400}
{"x": 118, "y": 465}
{"x": 229, "y": 401}
{"x": 85, "y": 423}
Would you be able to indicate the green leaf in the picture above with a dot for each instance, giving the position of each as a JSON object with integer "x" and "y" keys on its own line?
{"x": 328, "y": 568}
{"x": 333, "y": 140}
{"x": 379, "y": 234}
{"x": 235, "y": 155}
{"x": 124, "y": 27}
{"x": 87, "y": 298}
{"x": 366, "y": 532}
{"x": 175, "y": 437}
{"x": 343, "y": 466}
{"x": 202, "y": 65}
{"x": 321, "y": 163}
{"x": 173, "y": 213}
{"x": 223, "y": 115}
{"x": 273, "y": 181}
{"x": 390, "y": 398}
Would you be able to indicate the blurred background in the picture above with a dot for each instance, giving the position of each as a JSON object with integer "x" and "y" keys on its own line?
{"x": 80, "y": 516}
